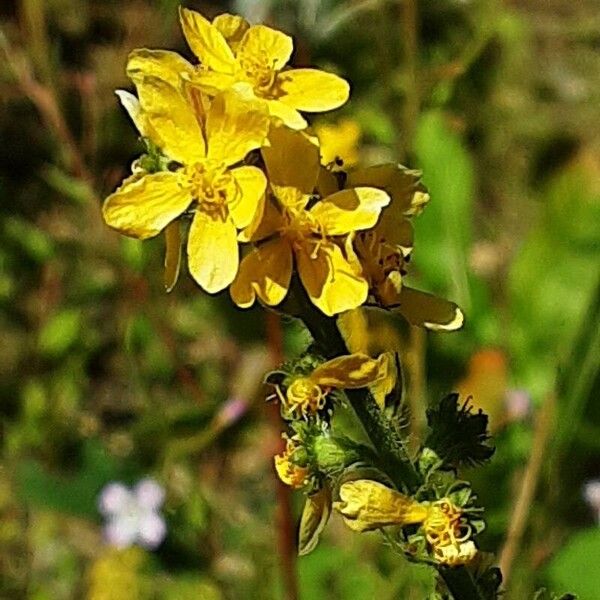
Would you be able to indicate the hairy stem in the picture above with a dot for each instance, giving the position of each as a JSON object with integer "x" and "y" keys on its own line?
{"x": 383, "y": 435}
{"x": 380, "y": 431}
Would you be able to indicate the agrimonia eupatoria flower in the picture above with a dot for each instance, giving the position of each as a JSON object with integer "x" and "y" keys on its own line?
{"x": 222, "y": 197}
{"x": 382, "y": 253}
{"x": 298, "y": 229}
{"x": 232, "y": 52}
{"x": 304, "y": 395}
{"x": 367, "y": 505}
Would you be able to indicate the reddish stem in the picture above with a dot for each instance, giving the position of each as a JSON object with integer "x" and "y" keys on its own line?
{"x": 286, "y": 527}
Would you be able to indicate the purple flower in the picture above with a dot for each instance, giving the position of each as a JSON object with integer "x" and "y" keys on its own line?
{"x": 132, "y": 515}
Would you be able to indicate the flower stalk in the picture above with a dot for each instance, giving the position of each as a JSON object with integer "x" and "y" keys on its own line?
{"x": 388, "y": 444}
{"x": 270, "y": 210}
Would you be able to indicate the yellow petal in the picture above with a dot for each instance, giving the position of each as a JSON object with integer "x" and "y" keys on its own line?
{"x": 330, "y": 281}
{"x": 429, "y": 311}
{"x": 172, "y": 254}
{"x": 398, "y": 232}
{"x": 234, "y": 126}
{"x": 144, "y": 207}
{"x": 211, "y": 82}
{"x": 232, "y": 28}
{"x": 350, "y": 210}
{"x": 292, "y": 159}
{"x": 267, "y": 220}
{"x": 132, "y": 105}
{"x": 312, "y": 90}
{"x": 163, "y": 64}
{"x": 315, "y": 515}
{"x": 263, "y": 43}
{"x": 327, "y": 183}
{"x": 367, "y": 505}
{"x": 212, "y": 251}
{"x": 388, "y": 378}
{"x": 354, "y": 327}
{"x": 265, "y": 272}
{"x": 409, "y": 196}
{"x": 174, "y": 125}
{"x": 339, "y": 141}
{"x": 348, "y": 372}
{"x": 206, "y": 42}
{"x": 282, "y": 114}
{"x": 251, "y": 184}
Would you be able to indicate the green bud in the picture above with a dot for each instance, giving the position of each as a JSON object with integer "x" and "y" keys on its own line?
{"x": 333, "y": 454}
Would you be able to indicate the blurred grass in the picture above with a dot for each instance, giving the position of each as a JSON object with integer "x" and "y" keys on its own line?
{"x": 105, "y": 377}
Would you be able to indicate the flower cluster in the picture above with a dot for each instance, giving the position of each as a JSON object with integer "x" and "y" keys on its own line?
{"x": 232, "y": 166}
{"x": 265, "y": 205}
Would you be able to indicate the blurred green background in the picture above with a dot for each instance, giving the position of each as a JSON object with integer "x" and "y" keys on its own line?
{"x": 104, "y": 377}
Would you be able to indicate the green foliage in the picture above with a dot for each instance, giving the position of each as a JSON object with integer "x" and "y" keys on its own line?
{"x": 60, "y": 333}
{"x": 574, "y": 566}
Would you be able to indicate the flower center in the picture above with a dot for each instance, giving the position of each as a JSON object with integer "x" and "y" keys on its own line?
{"x": 213, "y": 187}
{"x": 305, "y": 397}
{"x": 258, "y": 70}
{"x": 300, "y": 226}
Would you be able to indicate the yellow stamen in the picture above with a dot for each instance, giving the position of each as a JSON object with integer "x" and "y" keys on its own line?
{"x": 304, "y": 397}
{"x": 213, "y": 187}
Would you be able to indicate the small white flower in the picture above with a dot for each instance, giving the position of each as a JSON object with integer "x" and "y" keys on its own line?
{"x": 132, "y": 515}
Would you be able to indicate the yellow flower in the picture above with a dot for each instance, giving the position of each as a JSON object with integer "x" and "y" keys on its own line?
{"x": 383, "y": 252}
{"x": 367, "y": 505}
{"x": 306, "y": 394}
{"x": 288, "y": 471}
{"x": 231, "y": 52}
{"x": 339, "y": 143}
{"x": 297, "y": 227}
{"x": 222, "y": 198}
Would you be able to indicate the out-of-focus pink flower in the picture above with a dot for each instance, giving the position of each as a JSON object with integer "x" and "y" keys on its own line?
{"x": 132, "y": 515}
{"x": 518, "y": 405}
{"x": 233, "y": 410}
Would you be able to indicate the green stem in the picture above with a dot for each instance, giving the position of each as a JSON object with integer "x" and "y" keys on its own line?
{"x": 383, "y": 435}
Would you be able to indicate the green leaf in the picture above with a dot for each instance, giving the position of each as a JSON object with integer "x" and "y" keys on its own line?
{"x": 575, "y": 567}
{"x": 60, "y": 333}
{"x": 444, "y": 230}
{"x": 73, "y": 495}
